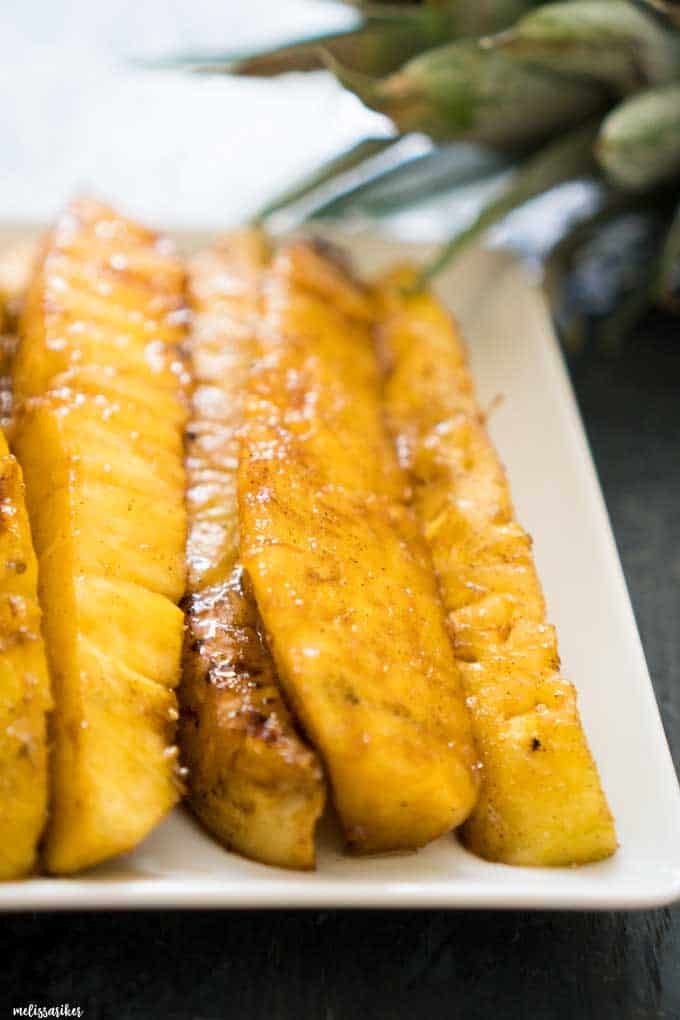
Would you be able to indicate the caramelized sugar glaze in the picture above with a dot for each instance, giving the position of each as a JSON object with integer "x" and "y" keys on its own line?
{"x": 253, "y": 781}
{"x": 98, "y": 381}
{"x": 340, "y": 572}
{"x": 541, "y": 802}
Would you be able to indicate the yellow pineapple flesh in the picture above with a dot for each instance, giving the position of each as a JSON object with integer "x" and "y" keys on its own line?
{"x": 99, "y": 386}
{"x": 24, "y": 685}
{"x": 342, "y": 578}
{"x": 541, "y": 802}
{"x": 253, "y": 782}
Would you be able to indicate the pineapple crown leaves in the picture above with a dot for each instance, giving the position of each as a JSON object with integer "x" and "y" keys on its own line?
{"x": 557, "y": 65}
{"x": 385, "y": 36}
{"x": 608, "y": 41}
{"x": 471, "y": 91}
{"x": 501, "y": 90}
{"x": 570, "y": 87}
{"x": 381, "y": 44}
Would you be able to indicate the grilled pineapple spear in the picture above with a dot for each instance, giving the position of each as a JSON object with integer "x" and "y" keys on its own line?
{"x": 252, "y": 781}
{"x": 24, "y": 685}
{"x": 340, "y": 573}
{"x": 100, "y": 419}
{"x": 540, "y": 802}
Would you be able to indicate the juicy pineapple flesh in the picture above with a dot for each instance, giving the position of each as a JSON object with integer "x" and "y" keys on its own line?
{"x": 541, "y": 802}
{"x": 327, "y": 534}
{"x": 342, "y": 578}
{"x": 252, "y": 780}
{"x": 98, "y": 384}
{"x": 24, "y": 686}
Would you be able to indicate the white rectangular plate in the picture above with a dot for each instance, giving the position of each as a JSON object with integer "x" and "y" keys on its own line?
{"x": 537, "y": 428}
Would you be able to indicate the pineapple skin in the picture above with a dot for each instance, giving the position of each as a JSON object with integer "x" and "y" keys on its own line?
{"x": 99, "y": 386}
{"x": 24, "y": 683}
{"x": 342, "y": 578}
{"x": 253, "y": 782}
{"x": 541, "y": 802}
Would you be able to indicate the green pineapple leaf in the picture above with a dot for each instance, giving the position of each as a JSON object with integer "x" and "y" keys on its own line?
{"x": 570, "y": 156}
{"x": 387, "y": 37}
{"x": 333, "y": 175}
{"x": 415, "y": 180}
{"x": 639, "y": 143}
{"x": 378, "y": 46}
{"x": 471, "y": 91}
{"x": 610, "y": 41}
{"x": 470, "y": 17}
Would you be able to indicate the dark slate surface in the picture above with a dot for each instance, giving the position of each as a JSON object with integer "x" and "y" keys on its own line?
{"x": 472, "y": 966}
